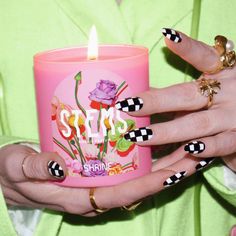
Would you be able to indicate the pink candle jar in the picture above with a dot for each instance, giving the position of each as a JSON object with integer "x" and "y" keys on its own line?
{"x": 77, "y": 116}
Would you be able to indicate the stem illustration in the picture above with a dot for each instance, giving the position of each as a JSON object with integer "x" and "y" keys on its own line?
{"x": 63, "y": 147}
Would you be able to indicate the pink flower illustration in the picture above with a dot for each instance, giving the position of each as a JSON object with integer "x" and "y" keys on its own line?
{"x": 54, "y": 105}
{"x": 94, "y": 168}
{"x": 76, "y": 166}
{"x": 104, "y": 94}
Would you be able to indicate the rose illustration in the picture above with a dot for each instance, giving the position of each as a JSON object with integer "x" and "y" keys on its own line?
{"x": 94, "y": 168}
{"x": 103, "y": 95}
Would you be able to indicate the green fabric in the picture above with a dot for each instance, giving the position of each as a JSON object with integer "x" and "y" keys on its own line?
{"x": 31, "y": 26}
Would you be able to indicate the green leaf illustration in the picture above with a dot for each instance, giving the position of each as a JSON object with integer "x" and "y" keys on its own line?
{"x": 118, "y": 135}
{"x": 78, "y": 76}
{"x": 123, "y": 145}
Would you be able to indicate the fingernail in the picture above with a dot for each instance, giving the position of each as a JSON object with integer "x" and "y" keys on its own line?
{"x": 195, "y": 147}
{"x": 55, "y": 169}
{"x": 139, "y": 135}
{"x": 204, "y": 163}
{"x": 174, "y": 179}
{"x": 171, "y": 35}
{"x": 130, "y": 104}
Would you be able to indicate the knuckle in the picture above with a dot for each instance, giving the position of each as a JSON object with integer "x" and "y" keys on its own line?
{"x": 153, "y": 99}
{"x": 214, "y": 147}
{"x": 9, "y": 164}
{"x": 188, "y": 46}
{"x": 201, "y": 122}
{"x": 70, "y": 202}
{"x": 72, "y": 207}
{"x": 118, "y": 199}
{"x": 32, "y": 169}
{"x": 188, "y": 92}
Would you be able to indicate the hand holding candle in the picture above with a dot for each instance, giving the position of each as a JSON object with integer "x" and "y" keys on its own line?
{"x": 165, "y": 172}
{"x": 81, "y": 88}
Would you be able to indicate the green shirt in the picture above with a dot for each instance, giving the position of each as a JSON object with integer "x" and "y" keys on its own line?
{"x": 201, "y": 203}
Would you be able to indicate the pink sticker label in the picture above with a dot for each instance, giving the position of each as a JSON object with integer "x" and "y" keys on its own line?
{"x": 88, "y": 131}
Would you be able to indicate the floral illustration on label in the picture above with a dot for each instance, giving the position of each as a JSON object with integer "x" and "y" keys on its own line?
{"x": 88, "y": 131}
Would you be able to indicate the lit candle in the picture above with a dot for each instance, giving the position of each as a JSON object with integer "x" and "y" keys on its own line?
{"x": 93, "y": 44}
{"x": 76, "y": 90}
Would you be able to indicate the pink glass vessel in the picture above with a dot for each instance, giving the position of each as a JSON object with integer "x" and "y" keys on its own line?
{"x": 77, "y": 116}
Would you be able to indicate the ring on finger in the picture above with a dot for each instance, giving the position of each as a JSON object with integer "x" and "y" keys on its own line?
{"x": 208, "y": 88}
{"x": 93, "y": 202}
{"x": 23, "y": 167}
{"x": 224, "y": 48}
{"x": 132, "y": 206}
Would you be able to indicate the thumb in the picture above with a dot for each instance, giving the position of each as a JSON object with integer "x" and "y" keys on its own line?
{"x": 44, "y": 166}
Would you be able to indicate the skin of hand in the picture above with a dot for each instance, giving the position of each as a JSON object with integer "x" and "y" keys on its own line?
{"x": 214, "y": 127}
{"x": 32, "y": 185}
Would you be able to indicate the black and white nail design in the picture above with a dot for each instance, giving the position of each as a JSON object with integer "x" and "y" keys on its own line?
{"x": 55, "y": 169}
{"x": 139, "y": 135}
{"x": 195, "y": 147}
{"x": 129, "y": 104}
{"x": 171, "y": 35}
{"x": 174, "y": 178}
{"x": 204, "y": 163}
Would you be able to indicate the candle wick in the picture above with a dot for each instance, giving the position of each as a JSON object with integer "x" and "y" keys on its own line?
{"x": 92, "y": 58}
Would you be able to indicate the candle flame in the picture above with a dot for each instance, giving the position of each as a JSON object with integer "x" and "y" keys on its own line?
{"x": 93, "y": 44}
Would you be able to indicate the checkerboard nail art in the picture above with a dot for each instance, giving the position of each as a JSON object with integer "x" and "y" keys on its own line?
{"x": 139, "y": 135}
{"x": 130, "y": 104}
{"x": 195, "y": 147}
{"x": 204, "y": 163}
{"x": 171, "y": 35}
{"x": 174, "y": 178}
{"x": 55, "y": 169}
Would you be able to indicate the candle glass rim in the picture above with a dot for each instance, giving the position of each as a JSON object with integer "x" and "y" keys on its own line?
{"x": 40, "y": 56}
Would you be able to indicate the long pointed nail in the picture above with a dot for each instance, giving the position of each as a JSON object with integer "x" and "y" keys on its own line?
{"x": 139, "y": 135}
{"x": 55, "y": 170}
{"x": 195, "y": 147}
{"x": 171, "y": 35}
{"x": 174, "y": 178}
{"x": 203, "y": 163}
{"x": 130, "y": 104}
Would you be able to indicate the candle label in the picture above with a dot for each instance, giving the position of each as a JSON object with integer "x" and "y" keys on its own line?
{"x": 88, "y": 131}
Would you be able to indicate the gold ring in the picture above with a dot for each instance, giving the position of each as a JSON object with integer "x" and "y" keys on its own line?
{"x": 23, "y": 169}
{"x": 224, "y": 47}
{"x": 132, "y": 206}
{"x": 208, "y": 87}
{"x": 93, "y": 203}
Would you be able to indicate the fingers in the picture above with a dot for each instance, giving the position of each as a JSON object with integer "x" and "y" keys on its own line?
{"x": 44, "y": 166}
{"x": 171, "y": 173}
{"x": 21, "y": 163}
{"x": 190, "y": 126}
{"x": 178, "y": 97}
{"x": 202, "y": 56}
{"x": 218, "y": 145}
{"x": 71, "y": 200}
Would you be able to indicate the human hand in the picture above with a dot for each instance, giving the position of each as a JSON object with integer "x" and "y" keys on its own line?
{"x": 29, "y": 186}
{"x": 215, "y": 127}
{"x": 212, "y": 130}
